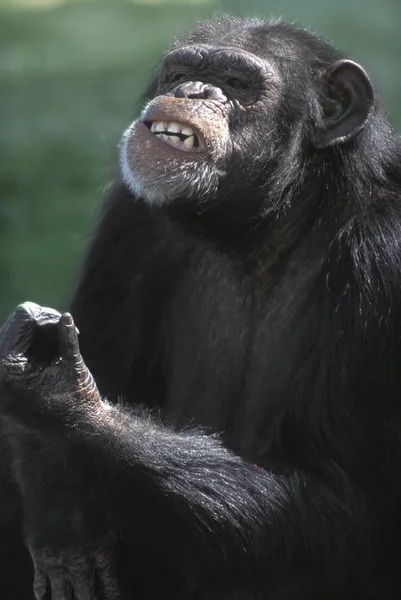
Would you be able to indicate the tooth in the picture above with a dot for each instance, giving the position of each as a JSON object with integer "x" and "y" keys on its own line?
{"x": 174, "y": 140}
{"x": 153, "y": 127}
{"x": 166, "y": 125}
{"x": 187, "y": 131}
{"x": 164, "y": 137}
{"x": 189, "y": 143}
{"x": 159, "y": 126}
{"x": 174, "y": 128}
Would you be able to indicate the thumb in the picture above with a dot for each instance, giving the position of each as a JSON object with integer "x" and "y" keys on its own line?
{"x": 68, "y": 343}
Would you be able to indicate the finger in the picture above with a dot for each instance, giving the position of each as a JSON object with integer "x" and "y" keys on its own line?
{"x": 109, "y": 584}
{"x": 82, "y": 574}
{"x": 106, "y": 574}
{"x": 68, "y": 342}
{"x": 42, "y": 315}
{"x": 16, "y": 334}
{"x": 61, "y": 587}
{"x": 84, "y": 586}
{"x": 40, "y": 585}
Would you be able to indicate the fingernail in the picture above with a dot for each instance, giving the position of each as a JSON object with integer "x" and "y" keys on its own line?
{"x": 67, "y": 318}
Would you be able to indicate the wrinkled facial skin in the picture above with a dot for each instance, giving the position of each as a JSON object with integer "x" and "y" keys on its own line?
{"x": 200, "y": 123}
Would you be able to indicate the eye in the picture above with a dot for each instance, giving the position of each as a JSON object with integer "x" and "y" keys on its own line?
{"x": 175, "y": 77}
{"x": 236, "y": 84}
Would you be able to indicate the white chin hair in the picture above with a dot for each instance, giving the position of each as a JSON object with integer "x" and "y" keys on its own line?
{"x": 183, "y": 179}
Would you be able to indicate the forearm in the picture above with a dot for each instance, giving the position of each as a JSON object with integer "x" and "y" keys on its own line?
{"x": 193, "y": 476}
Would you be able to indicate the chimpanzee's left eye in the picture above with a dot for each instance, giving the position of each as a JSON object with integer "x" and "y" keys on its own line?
{"x": 236, "y": 84}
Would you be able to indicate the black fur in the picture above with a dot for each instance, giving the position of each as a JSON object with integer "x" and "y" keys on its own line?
{"x": 271, "y": 320}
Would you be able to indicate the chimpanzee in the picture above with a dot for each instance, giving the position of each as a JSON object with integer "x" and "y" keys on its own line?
{"x": 235, "y": 429}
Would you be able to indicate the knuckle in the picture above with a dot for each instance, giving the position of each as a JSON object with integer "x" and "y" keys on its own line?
{"x": 27, "y": 309}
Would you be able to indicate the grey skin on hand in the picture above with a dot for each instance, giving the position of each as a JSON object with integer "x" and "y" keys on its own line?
{"x": 40, "y": 362}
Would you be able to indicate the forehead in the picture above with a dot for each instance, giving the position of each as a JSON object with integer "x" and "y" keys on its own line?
{"x": 268, "y": 40}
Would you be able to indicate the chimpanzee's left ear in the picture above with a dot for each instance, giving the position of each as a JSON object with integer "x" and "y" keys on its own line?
{"x": 348, "y": 101}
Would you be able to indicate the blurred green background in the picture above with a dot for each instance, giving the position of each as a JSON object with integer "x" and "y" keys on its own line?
{"x": 71, "y": 78}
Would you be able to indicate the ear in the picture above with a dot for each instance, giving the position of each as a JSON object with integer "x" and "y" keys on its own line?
{"x": 348, "y": 101}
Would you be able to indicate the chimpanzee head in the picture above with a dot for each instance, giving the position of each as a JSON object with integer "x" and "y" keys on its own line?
{"x": 237, "y": 105}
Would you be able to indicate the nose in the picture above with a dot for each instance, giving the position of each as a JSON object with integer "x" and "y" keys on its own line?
{"x": 198, "y": 90}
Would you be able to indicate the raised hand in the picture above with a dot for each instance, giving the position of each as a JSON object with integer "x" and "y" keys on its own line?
{"x": 41, "y": 369}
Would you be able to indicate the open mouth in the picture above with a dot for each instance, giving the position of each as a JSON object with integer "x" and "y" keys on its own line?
{"x": 177, "y": 135}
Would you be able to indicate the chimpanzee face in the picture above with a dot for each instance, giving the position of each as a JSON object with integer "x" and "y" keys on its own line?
{"x": 221, "y": 111}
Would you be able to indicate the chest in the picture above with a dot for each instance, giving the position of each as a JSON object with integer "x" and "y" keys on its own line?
{"x": 227, "y": 345}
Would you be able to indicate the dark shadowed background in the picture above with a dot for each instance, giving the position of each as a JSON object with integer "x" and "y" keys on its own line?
{"x": 71, "y": 78}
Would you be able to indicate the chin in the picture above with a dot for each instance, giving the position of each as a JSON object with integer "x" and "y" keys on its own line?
{"x": 161, "y": 181}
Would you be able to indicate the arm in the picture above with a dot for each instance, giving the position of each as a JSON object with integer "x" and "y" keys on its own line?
{"x": 184, "y": 487}
{"x": 226, "y": 502}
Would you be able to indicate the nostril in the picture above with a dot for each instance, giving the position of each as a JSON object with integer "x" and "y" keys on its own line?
{"x": 209, "y": 91}
{"x": 215, "y": 93}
